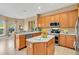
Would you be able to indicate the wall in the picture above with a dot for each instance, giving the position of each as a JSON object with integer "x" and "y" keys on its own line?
{"x": 17, "y": 22}
{"x": 26, "y": 26}
{"x": 9, "y": 20}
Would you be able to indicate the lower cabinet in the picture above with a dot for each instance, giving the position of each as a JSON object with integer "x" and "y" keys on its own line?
{"x": 62, "y": 40}
{"x": 67, "y": 40}
{"x": 20, "y": 41}
{"x": 70, "y": 41}
{"x": 50, "y": 49}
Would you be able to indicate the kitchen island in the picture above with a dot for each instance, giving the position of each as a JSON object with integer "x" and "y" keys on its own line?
{"x": 41, "y": 46}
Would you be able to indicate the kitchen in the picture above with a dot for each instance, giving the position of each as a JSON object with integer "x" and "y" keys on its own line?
{"x": 43, "y": 33}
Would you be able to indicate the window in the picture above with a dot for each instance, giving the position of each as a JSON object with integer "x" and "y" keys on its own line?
{"x": 2, "y": 27}
{"x": 12, "y": 28}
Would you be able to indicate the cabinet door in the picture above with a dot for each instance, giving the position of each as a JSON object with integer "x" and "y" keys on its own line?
{"x": 62, "y": 40}
{"x": 56, "y": 17}
{"x": 39, "y": 49}
{"x": 43, "y": 22}
{"x": 52, "y": 19}
{"x": 50, "y": 49}
{"x": 64, "y": 20}
{"x": 47, "y": 21}
{"x": 70, "y": 41}
{"x": 72, "y": 17}
{"x": 22, "y": 41}
{"x": 39, "y": 22}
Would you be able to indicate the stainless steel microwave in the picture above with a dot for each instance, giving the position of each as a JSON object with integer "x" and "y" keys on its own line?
{"x": 54, "y": 24}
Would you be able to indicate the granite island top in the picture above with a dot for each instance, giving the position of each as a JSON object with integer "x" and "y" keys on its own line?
{"x": 39, "y": 39}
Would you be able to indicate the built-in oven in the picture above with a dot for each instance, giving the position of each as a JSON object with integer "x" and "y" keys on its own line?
{"x": 56, "y": 32}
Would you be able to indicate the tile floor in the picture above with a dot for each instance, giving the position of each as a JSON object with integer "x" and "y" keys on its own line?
{"x": 7, "y": 48}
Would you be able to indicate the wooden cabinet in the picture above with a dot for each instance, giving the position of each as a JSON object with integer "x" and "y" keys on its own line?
{"x": 67, "y": 40}
{"x": 62, "y": 40}
{"x": 44, "y": 21}
{"x": 47, "y": 21}
{"x": 52, "y": 19}
{"x": 20, "y": 42}
{"x": 64, "y": 20}
{"x": 50, "y": 48}
{"x": 41, "y": 22}
{"x": 56, "y": 18}
{"x": 41, "y": 48}
{"x": 72, "y": 17}
{"x": 70, "y": 41}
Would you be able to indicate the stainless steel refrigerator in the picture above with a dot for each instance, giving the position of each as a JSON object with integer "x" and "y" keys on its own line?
{"x": 77, "y": 37}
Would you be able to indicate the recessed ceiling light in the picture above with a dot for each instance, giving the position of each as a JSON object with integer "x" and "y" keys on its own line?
{"x": 39, "y": 7}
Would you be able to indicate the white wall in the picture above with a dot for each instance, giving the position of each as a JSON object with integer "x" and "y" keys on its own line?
{"x": 33, "y": 18}
{"x": 25, "y": 25}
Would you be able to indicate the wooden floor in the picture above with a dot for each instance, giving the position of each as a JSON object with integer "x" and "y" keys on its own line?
{"x": 7, "y": 48}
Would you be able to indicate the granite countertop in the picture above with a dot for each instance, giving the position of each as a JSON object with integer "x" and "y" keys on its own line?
{"x": 39, "y": 39}
{"x": 68, "y": 33}
{"x": 22, "y": 33}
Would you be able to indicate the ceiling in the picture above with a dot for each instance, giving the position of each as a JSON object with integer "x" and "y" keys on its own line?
{"x": 24, "y": 10}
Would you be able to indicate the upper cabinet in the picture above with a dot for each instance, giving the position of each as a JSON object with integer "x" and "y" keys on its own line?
{"x": 47, "y": 21}
{"x": 52, "y": 19}
{"x": 56, "y": 17}
{"x": 64, "y": 20}
{"x": 44, "y": 21}
{"x": 41, "y": 22}
{"x": 72, "y": 17}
